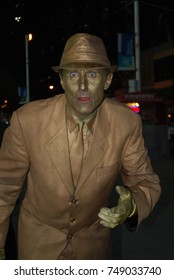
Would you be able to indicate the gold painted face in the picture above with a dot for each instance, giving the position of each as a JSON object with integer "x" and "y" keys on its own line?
{"x": 84, "y": 89}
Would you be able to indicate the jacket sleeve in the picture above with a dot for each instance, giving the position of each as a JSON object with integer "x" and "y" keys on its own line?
{"x": 138, "y": 174}
{"x": 14, "y": 163}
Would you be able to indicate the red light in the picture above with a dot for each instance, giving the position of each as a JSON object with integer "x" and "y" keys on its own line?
{"x": 135, "y": 109}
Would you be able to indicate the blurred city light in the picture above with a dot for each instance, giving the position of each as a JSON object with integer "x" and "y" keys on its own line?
{"x": 28, "y": 37}
{"x": 4, "y": 104}
{"x": 18, "y": 19}
{"x": 135, "y": 106}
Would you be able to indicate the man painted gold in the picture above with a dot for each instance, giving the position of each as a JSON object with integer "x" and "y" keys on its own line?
{"x": 65, "y": 213}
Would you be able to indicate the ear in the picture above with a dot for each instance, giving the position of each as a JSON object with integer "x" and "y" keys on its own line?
{"x": 108, "y": 81}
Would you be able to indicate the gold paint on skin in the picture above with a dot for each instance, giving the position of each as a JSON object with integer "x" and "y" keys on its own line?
{"x": 84, "y": 89}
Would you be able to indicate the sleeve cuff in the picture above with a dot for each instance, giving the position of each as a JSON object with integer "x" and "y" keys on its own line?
{"x": 134, "y": 210}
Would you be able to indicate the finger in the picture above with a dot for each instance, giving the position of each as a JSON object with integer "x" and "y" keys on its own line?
{"x": 108, "y": 224}
{"x": 114, "y": 212}
{"x": 104, "y": 217}
{"x": 105, "y": 210}
{"x": 113, "y": 218}
{"x": 120, "y": 190}
{"x": 123, "y": 192}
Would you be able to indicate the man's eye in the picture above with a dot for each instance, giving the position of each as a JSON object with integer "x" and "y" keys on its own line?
{"x": 91, "y": 75}
{"x": 73, "y": 74}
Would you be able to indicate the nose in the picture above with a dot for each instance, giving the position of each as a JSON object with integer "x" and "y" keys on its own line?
{"x": 83, "y": 81}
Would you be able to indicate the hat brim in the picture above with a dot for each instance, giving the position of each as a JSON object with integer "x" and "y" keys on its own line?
{"x": 57, "y": 69}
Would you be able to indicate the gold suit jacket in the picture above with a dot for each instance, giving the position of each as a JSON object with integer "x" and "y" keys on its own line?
{"x": 55, "y": 215}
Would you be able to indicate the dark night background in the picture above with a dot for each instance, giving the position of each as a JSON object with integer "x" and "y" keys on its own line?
{"x": 52, "y": 23}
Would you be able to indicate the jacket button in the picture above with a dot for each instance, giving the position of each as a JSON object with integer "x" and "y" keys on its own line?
{"x": 75, "y": 201}
{"x": 72, "y": 220}
{"x": 69, "y": 236}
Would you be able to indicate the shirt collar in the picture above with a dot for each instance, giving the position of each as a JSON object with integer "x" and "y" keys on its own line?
{"x": 73, "y": 120}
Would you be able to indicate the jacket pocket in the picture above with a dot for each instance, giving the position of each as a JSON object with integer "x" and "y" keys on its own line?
{"x": 106, "y": 170}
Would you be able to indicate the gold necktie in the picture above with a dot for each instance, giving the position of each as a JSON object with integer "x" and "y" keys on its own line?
{"x": 76, "y": 154}
{"x": 85, "y": 135}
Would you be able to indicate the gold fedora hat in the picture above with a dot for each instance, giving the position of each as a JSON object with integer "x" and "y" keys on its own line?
{"x": 84, "y": 48}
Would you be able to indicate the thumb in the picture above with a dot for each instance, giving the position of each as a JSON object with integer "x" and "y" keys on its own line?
{"x": 122, "y": 191}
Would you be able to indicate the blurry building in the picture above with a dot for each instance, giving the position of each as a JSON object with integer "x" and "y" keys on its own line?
{"x": 155, "y": 101}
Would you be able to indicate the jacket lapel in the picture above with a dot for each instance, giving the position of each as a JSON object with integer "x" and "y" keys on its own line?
{"x": 57, "y": 145}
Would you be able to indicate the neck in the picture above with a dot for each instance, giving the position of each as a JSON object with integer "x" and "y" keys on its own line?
{"x": 82, "y": 117}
